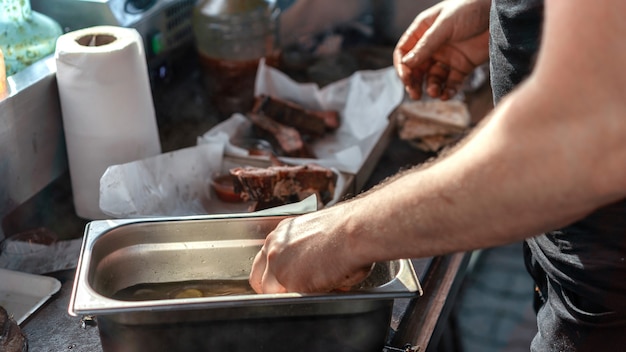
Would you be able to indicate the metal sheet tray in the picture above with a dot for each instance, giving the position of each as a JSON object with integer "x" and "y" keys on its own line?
{"x": 21, "y": 294}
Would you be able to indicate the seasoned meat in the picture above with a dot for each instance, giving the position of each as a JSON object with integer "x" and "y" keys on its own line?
{"x": 277, "y": 185}
{"x": 308, "y": 122}
{"x": 287, "y": 139}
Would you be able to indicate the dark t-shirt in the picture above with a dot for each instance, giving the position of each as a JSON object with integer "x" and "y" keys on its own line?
{"x": 515, "y": 29}
{"x": 589, "y": 256}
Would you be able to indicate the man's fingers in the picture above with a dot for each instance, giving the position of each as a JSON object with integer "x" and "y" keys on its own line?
{"x": 258, "y": 269}
{"x": 424, "y": 49}
{"x": 413, "y": 84}
{"x": 453, "y": 84}
{"x": 356, "y": 278}
{"x": 270, "y": 284}
{"x": 437, "y": 77}
{"x": 443, "y": 81}
{"x": 455, "y": 59}
{"x": 261, "y": 279}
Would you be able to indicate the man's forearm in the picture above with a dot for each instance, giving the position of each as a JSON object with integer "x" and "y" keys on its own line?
{"x": 509, "y": 181}
{"x": 551, "y": 152}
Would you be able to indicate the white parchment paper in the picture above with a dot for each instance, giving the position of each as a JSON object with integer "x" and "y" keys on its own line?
{"x": 175, "y": 184}
{"x": 364, "y": 101}
{"x": 170, "y": 184}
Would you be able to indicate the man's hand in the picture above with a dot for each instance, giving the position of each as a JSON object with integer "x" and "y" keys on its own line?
{"x": 442, "y": 46}
{"x": 309, "y": 253}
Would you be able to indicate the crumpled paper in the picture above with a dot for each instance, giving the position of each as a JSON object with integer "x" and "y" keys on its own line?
{"x": 432, "y": 124}
{"x": 170, "y": 184}
{"x": 364, "y": 101}
{"x": 61, "y": 255}
{"x": 174, "y": 184}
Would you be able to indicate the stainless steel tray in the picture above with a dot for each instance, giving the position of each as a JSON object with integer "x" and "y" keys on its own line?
{"x": 121, "y": 253}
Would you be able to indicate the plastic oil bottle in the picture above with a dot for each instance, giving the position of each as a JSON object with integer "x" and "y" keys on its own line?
{"x": 231, "y": 37}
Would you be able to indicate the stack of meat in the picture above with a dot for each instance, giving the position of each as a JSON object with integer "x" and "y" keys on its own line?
{"x": 283, "y": 184}
{"x": 290, "y": 128}
{"x": 431, "y": 125}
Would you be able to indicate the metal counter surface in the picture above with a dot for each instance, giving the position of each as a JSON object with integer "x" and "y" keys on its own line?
{"x": 52, "y": 329}
{"x": 183, "y": 115}
{"x": 32, "y": 146}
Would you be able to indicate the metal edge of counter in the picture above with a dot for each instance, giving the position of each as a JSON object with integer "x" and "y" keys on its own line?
{"x": 425, "y": 319}
{"x": 32, "y": 141}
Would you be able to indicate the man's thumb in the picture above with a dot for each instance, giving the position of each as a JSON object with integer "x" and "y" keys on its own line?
{"x": 425, "y": 47}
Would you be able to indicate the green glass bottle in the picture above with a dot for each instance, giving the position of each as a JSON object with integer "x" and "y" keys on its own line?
{"x": 26, "y": 36}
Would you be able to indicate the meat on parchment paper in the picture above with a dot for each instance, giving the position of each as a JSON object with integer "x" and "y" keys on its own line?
{"x": 285, "y": 138}
{"x": 277, "y": 185}
{"x": 314, "y": 123}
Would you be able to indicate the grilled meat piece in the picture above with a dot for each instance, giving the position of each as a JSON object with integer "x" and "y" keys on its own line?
{"x": 277, "y": 185}
{"x": 432, "y": 125}
{"x": 308, "y": 122}
{"x": 287, "y": 139}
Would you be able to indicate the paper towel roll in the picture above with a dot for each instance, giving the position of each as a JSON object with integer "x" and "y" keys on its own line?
{"x": 107, "y": 107}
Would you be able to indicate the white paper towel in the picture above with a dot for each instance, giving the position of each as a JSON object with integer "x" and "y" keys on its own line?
{"x": 107, "y": 107}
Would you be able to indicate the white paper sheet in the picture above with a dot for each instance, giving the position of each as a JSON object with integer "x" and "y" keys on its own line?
{"x": 364, "y": 101}
{"x": 170, "y": 184}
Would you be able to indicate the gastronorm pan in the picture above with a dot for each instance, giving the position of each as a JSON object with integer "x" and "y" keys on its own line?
{"x": 121, "y": 254}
